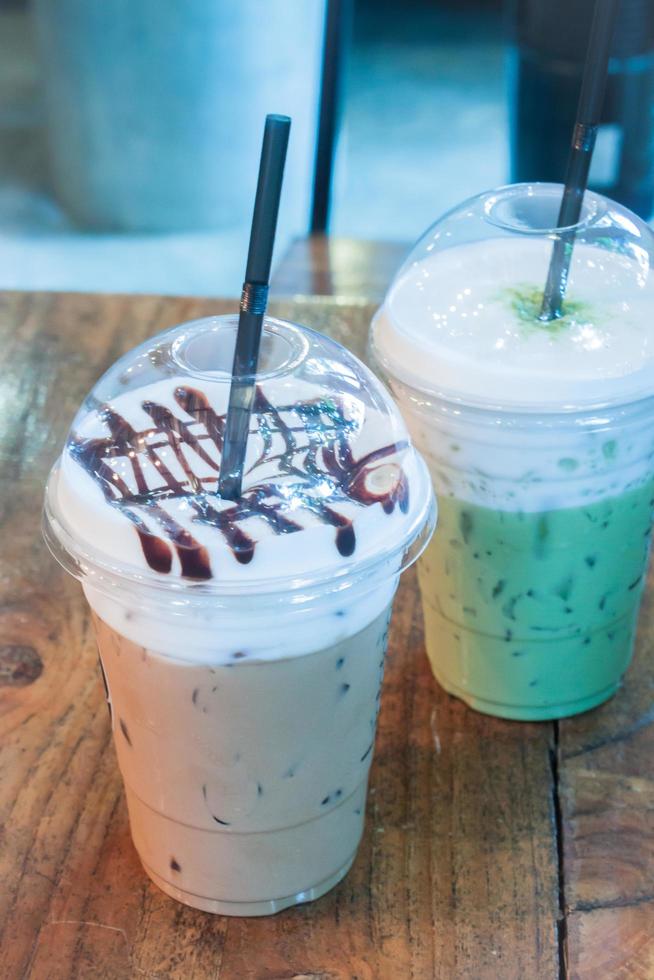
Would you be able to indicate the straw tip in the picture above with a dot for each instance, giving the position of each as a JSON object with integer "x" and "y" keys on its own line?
{"x": 274, "y": 117}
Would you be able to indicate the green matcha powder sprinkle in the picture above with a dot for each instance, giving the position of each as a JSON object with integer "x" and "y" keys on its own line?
{"x": 526, "y": 300}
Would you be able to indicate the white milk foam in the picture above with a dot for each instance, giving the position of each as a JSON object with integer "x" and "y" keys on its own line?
{"x": 214, "y": 629}
{"x": 212, "y": 633}
{"x": 448, "y": 323}
{"x": 503, "y": 434}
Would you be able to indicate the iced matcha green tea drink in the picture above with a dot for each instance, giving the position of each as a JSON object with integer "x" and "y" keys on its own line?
{"x": 540, "y": 441}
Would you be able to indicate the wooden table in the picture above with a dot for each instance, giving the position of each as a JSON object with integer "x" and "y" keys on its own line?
{"x": 351, "y": 268}
{"x": 493, "y": 849}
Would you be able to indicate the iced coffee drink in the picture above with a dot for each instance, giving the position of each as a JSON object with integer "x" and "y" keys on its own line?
{"x": 540, "y": 440}
{"x": 242, "y": 642}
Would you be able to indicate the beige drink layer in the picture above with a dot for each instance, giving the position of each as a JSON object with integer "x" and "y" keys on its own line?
{"x": 246, "y": 783}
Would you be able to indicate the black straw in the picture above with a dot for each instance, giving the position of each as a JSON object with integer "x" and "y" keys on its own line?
{"x": 581, "y": 151}
{"x": 253, "y": 304}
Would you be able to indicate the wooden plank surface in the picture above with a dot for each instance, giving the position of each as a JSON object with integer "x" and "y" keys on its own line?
{"x": 457, "y": 873}
{"x": 319, "y": 265}
{"x": 606, "y": 771}
{"x": 603, "y": 786}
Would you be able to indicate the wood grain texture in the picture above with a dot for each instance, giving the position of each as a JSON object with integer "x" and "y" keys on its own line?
{"x": 319, "y": 265}
{"x": 606, "y": 770}
{"x": 611, "y": 944}
{"x": 457, "y": 874}
{"x": 604, "y": 760}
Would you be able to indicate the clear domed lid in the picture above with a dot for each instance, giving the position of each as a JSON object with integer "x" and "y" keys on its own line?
{"x": 331, "y": 480}
{"x": 462, "y": 317}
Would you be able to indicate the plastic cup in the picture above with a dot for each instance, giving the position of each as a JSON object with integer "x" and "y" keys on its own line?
{"x": 540, "y": 444}
{"x": 242, "y": 643}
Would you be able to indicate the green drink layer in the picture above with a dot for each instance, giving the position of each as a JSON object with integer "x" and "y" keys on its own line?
{"x": 532, "y": 615}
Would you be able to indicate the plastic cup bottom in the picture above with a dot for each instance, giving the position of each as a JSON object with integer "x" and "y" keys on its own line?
{"x": 248, "y": 909}
{"x": 528, "y": 680}
{"x": 263, "y": 873}
{"x": 513, "y": 712}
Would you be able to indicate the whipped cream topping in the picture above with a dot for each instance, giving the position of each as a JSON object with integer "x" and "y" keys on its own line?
{"x": 464, "y": 322}
{"x": 327, "y": 480}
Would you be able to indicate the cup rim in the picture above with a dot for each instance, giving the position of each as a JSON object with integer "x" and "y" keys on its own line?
{"x": 492, "y": 200}
{"x": 454, "y": 401}
{"x": 286, "y": 331}
{"x": 103, "y": 573}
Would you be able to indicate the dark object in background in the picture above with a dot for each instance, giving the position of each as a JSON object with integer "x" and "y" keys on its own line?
{"x": 338, "y": 29}
{"x": 549, "y": 45}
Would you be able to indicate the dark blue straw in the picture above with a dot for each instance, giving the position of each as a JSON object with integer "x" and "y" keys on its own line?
{"x": 581, "y": 151}
{"x": 253, "y": 304}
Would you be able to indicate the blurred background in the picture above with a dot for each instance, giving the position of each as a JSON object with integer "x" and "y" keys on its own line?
{"x": 130, "y": 129}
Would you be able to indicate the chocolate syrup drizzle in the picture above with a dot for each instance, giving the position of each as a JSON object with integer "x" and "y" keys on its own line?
{"x": 314, "y": 450}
